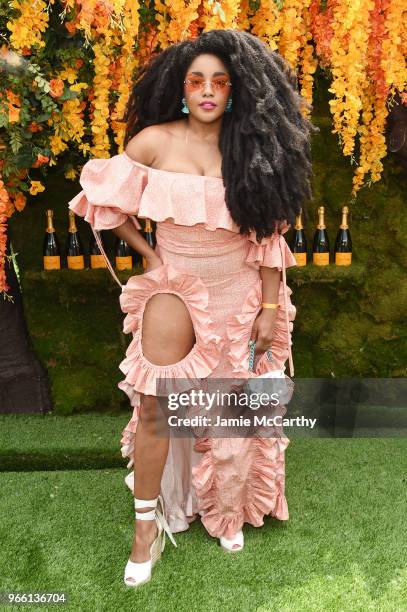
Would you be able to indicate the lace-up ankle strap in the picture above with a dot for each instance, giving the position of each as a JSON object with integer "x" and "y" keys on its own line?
{"x": 146, "y": 503}
{"x": 157, "y": 513}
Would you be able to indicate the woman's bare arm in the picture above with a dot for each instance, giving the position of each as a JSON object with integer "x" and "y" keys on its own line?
{"x": 271, "y": 278}
{"x": 136, "y": 240}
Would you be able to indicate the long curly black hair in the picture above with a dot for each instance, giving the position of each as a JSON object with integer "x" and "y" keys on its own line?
{"x": 265, "y": 140}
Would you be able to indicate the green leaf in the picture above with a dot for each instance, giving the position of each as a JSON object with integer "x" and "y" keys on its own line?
{"x": 42, "y": 117}
{"x": 68, "y": 95}
{"x": 25, "y": 157}
{"x": 15, "y": 142}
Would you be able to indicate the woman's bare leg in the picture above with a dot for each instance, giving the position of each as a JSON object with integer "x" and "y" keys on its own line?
{"x": 168, "y": 336}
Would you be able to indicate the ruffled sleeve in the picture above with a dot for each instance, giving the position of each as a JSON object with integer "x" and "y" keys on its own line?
{"x": 274, "y": 252}
{"x": 271, "y": 252}
{"x": 111, "y": 191}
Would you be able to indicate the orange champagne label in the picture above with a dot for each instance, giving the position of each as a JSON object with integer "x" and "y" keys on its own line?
{"x": 124, "y": 263}
{"x": 52, "y": 262}
{"x": 320, "y": 259}
{"x": 301, "y": 259}
{"x": 75, "y": 262}
{"x": 343, "y": 259}
{"x": 97, "y": 261}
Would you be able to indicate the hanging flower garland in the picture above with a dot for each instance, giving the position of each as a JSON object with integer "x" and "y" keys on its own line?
{"x": 266, "y": 23}
{"x": 126, "y": 65}
{"x": 30, "y": 24}
{"x": 353, "y": 42}
{"x": 308, "y": 62}
{"x": 74, "y": 90}
{"x": 180, "y": 14}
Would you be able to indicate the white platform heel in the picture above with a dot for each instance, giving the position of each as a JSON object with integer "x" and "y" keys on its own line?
{"x": 136, "y": 574}
{"x": 227, "y": 544}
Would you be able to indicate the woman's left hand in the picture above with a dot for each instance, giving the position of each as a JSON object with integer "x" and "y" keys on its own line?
{"x": 262, "y": 330}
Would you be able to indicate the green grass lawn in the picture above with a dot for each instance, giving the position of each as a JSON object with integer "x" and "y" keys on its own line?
{"x": 70, "y": 530}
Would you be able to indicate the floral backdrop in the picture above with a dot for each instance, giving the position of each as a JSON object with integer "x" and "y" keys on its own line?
{"x": 66, "y": 66}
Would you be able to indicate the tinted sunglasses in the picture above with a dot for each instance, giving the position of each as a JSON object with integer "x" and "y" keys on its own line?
{"x": 196, "y": 83}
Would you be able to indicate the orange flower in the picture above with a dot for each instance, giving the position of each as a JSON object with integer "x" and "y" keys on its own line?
{"x": 13, "y": 114}
{"x": 13, "y": 98}
{"x": 20, "y": 201}
{"x": 57, "y": 87}
{"x": 78, "y": 63}
{"x": 70, "y": 26}
{"x": 40, "y": 161}
{"x": 34, "y": 127}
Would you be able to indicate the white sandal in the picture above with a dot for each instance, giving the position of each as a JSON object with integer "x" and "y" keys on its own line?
{"x": 135, "y": 573}
{"x": 227, "y": 544}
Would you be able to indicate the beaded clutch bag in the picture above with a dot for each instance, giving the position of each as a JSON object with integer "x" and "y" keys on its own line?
{"x": 263, "y": 384}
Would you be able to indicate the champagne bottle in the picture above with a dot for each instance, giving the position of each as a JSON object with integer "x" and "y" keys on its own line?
{"x": 149, "y": 237}
{"x": 97, "y": 260}
{"x": 123, "y": 256}
{"x": 51, "y": 250}
{"x": 320, "y": 247}
{"x": 74, "y": 249}
{"x": 343, "y": 242}
{"x": 299, "y": 242}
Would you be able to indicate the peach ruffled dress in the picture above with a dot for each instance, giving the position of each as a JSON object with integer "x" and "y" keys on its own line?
{"x": 215, "y": 271}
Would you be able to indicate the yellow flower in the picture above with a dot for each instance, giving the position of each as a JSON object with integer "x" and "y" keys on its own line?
{"x": 78, "y": 87}
{"x": 69, "y": 74}
{"x": 57, "y": 145}
{"x": 70, "y": 174}
{"x": 84, "y": 147}
{"x": 36, "y": 187}
{"x": 26, "y": 29}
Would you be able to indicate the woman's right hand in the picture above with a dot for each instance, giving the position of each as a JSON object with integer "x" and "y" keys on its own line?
{"x": 153, "y": 262}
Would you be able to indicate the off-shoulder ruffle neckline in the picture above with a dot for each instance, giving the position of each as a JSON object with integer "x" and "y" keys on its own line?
{"x": 199, "y": 176}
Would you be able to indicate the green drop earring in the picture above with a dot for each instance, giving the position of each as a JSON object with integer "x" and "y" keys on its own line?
{"x": 185, "y": 108}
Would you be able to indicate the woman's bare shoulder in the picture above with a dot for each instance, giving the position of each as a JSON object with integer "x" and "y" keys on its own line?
{"x": 145, "y": 146}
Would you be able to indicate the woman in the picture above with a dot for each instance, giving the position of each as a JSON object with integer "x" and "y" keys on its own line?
{"x": 217, "y": 153}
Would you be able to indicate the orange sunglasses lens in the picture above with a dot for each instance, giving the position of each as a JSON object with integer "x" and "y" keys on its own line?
{"x": 195, "y": 83}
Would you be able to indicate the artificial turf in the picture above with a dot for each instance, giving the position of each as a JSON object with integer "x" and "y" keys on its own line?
{"x": 343, "y": 547}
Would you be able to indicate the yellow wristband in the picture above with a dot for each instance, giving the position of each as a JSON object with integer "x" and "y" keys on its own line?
{"x": 265, "y": 305}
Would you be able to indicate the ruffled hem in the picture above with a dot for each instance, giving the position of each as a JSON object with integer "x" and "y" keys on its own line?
{"x": 238, "y": 329}
{"x": 265, "y": 488}
{"x": 142, "y": 375}
{"x": 129, "y": 432}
